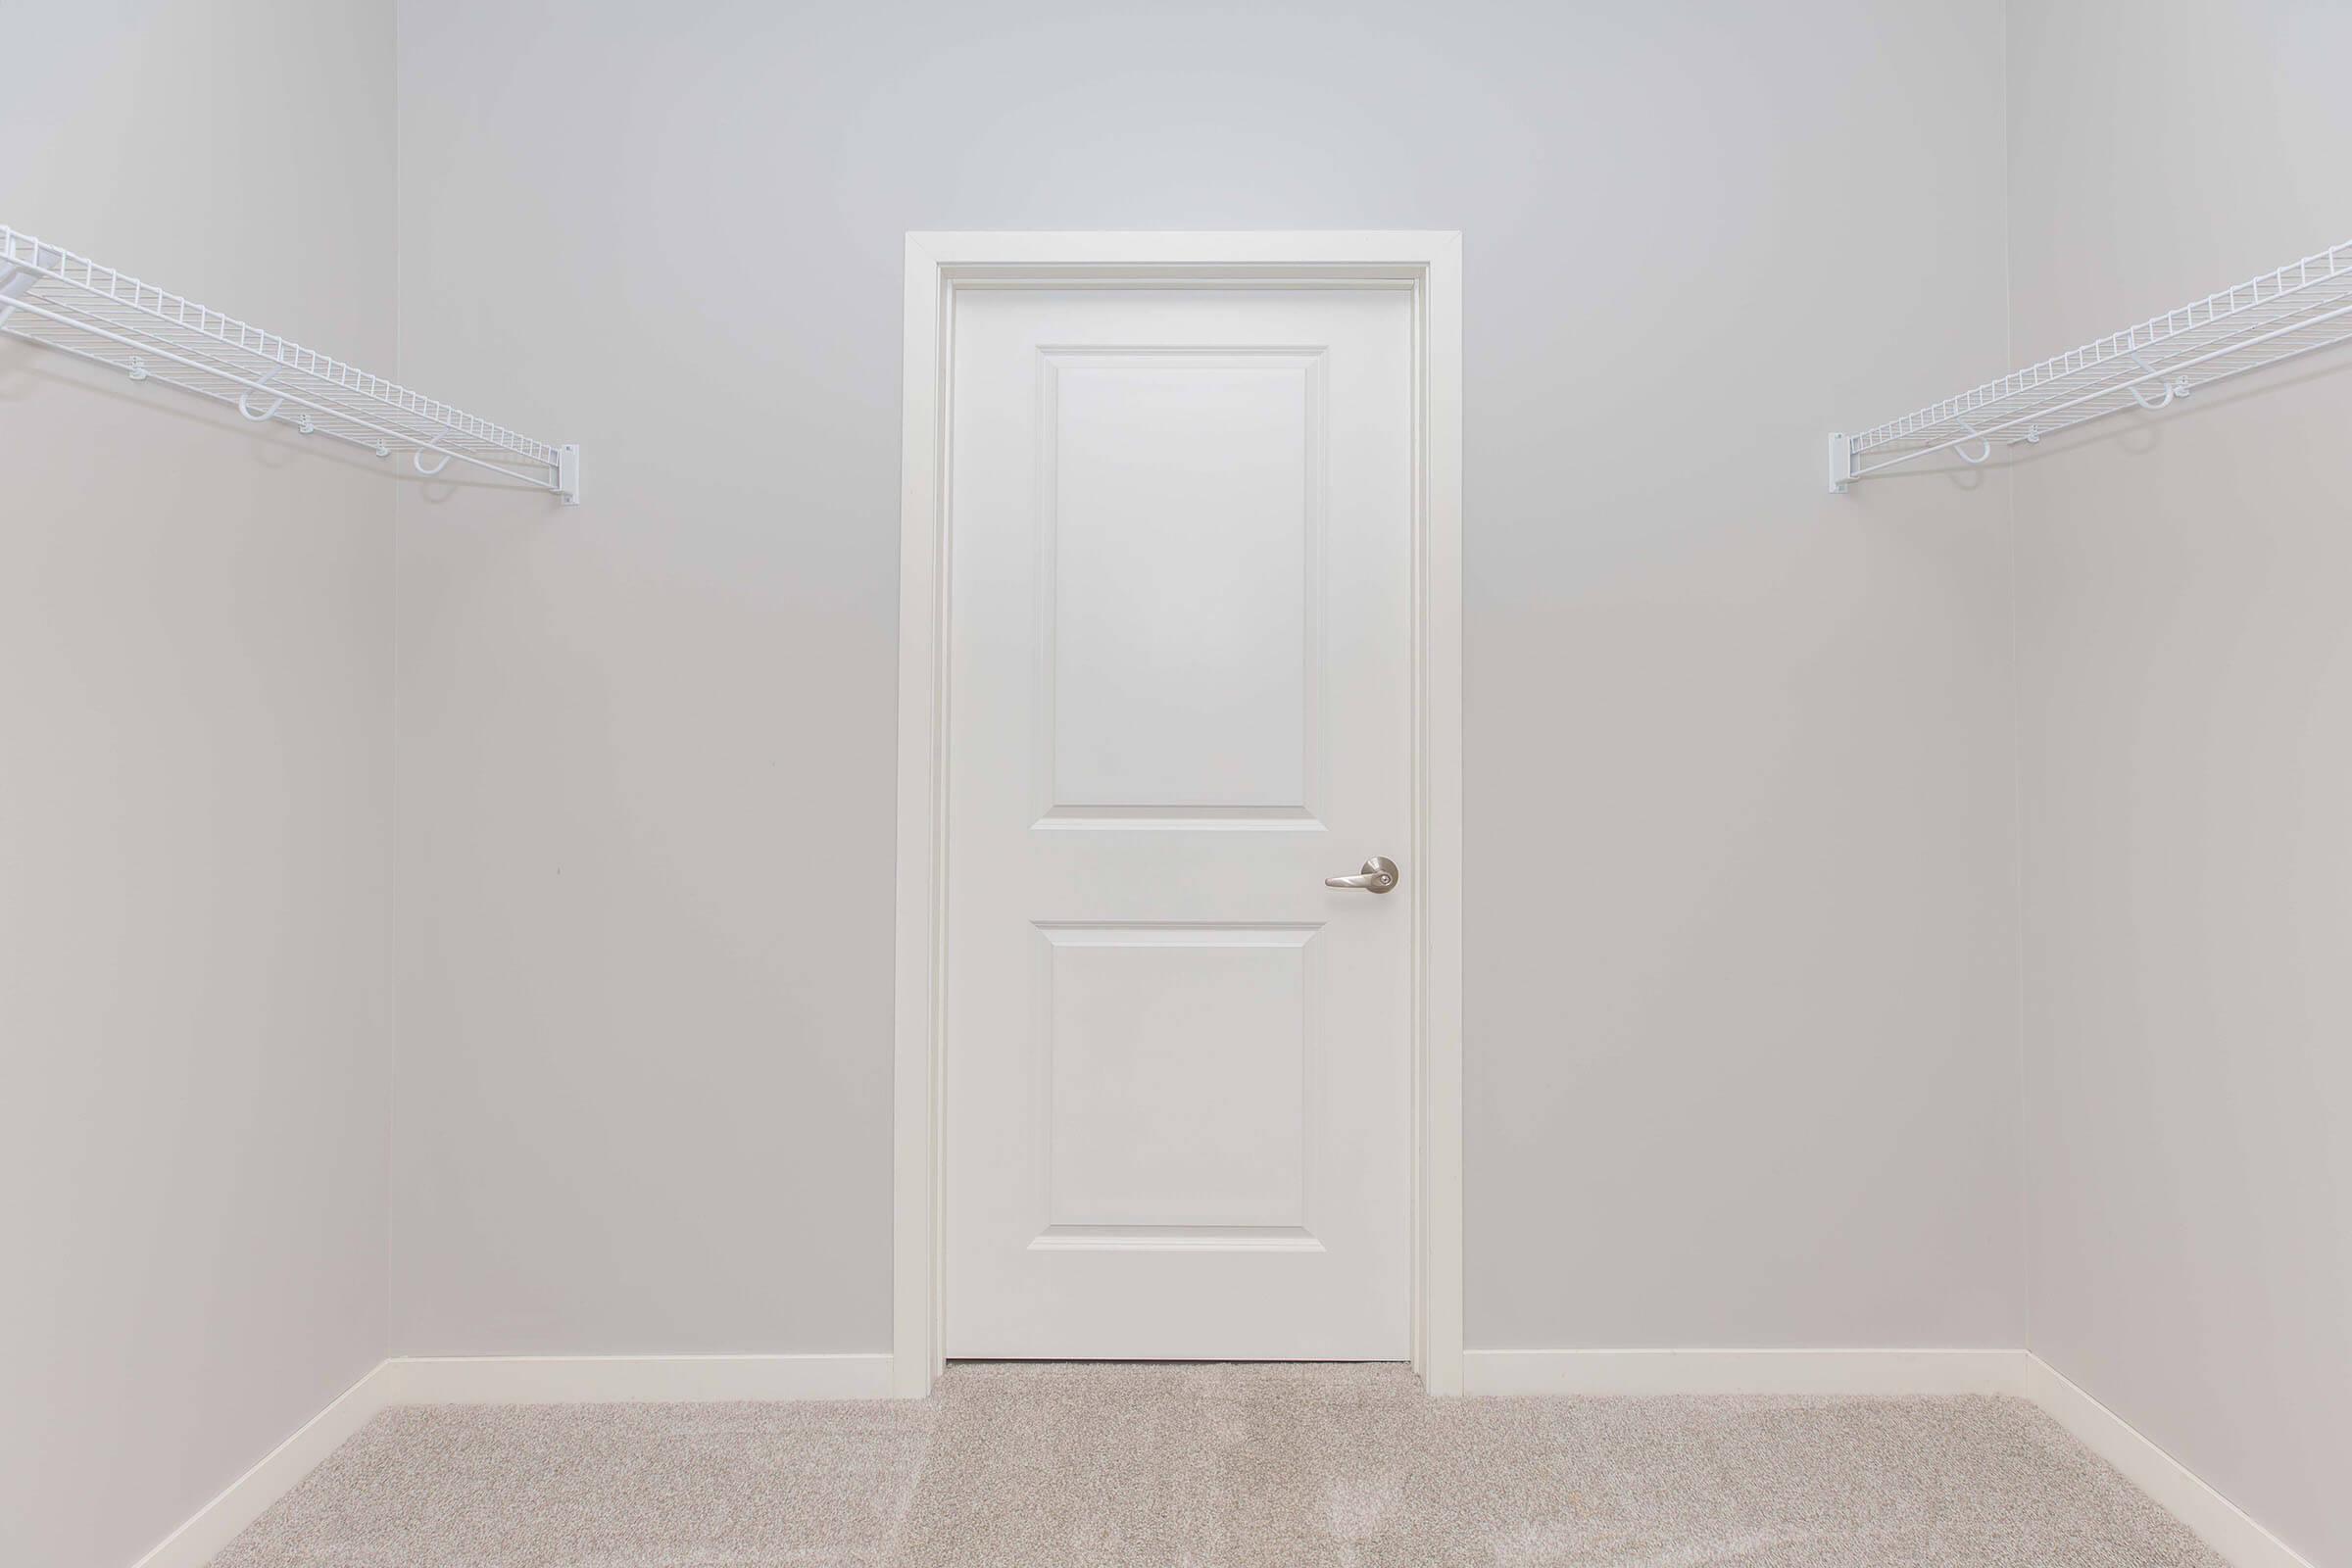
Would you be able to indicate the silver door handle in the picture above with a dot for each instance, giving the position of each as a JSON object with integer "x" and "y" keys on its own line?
{"x": 1378, "y": 876}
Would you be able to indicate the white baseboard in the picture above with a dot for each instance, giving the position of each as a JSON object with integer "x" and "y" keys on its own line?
{"x": 629, "y": 1378}
{"x": 2219, "y": 1523}
{"x": 511, "y": 1380}
{"x": 1883, "y": 1372}
{"x": 247, "y": 1497}
{"x": 2215, "y": 1520}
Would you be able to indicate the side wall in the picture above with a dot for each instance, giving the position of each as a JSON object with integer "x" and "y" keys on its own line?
{"x": 195, "y": 712}
{"x": 1742, "y": 1029}
{"x": 2188, "y": 735}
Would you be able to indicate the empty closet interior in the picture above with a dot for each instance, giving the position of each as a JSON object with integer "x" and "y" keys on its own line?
{"x": 633, "y": 639}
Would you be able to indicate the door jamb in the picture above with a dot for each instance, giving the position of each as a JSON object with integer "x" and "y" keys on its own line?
{"x": 1429, "y": 263}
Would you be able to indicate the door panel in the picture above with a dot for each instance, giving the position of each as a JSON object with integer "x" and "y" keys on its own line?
{"x": 1179, "y": 697}
{"x": 1181, "y": 514}
{"x": 1177, "y": 1077}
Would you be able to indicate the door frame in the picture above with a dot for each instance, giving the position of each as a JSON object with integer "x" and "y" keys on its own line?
{"x": 1428, "y": 262}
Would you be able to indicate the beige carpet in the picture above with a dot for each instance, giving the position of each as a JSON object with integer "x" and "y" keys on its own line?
{"x": 1217, "y": 1467}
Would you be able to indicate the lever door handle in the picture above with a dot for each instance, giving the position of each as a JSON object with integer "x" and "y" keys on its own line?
{"x": 1378, "y": 876}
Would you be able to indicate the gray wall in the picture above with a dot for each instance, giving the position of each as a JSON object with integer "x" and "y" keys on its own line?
{"x": 1742, "y": 990}
{"x": 195, "y": 690}
{"x": 2188, "y": 738}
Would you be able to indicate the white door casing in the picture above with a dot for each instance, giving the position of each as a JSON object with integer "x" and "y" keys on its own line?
{"x": 1200, "y": 1104}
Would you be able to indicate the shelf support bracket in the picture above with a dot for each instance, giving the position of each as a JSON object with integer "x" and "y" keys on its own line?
{"x": 1841, "y": 463}
{"x": 245, "y": 401}
{"x": 568, "y": 474}
{"x": 14, "y": 283}
{"x": 2142, "y": 397}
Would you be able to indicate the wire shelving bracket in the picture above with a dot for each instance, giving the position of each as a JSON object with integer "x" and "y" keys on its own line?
{"x": 2302, "y": 307}
{"x": 53, "y": 295}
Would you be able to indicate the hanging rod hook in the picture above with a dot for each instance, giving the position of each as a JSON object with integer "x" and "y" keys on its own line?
{"x": 245, "y": 400}
{"x": 1983, "y": 444}
{"x": 417, "y": 458}
{"x": 2142, "y": 397}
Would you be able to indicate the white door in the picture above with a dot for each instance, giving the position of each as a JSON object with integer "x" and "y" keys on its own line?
{"x": 1180, "y": 698}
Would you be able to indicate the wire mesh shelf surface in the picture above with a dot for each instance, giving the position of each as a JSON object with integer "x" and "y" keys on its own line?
{"x": 53, "y": 295}
{"x": 2300, "y": 308}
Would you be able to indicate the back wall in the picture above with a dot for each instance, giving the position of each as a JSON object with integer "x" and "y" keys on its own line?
{"x": 1742, "y": 1063}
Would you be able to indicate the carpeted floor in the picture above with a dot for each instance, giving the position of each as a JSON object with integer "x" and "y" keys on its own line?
{"x": 1039, "y": 1466}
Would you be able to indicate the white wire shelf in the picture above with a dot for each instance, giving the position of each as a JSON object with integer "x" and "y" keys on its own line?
{"x": 52, "y": 296}
{"x": 2300, "y": 308}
